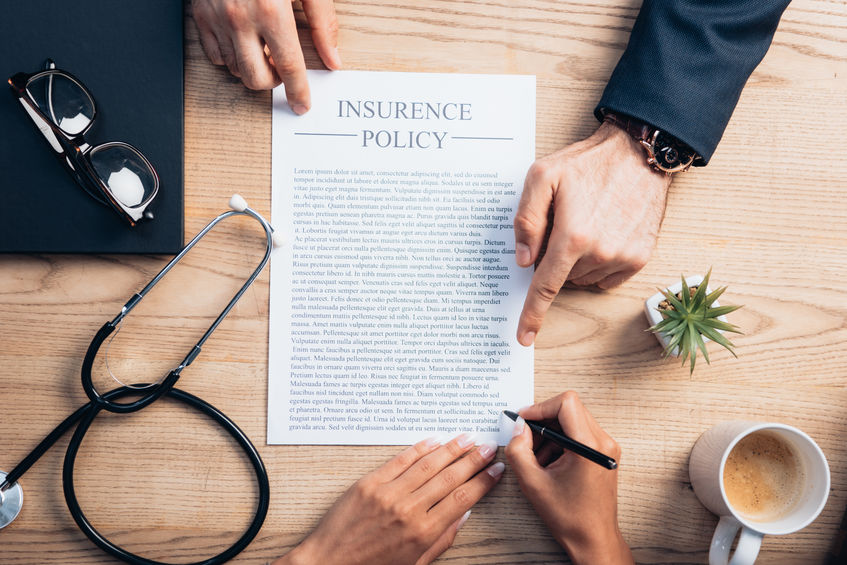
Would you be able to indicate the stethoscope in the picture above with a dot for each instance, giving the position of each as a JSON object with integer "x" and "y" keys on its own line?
{"x": 11, "y": 494}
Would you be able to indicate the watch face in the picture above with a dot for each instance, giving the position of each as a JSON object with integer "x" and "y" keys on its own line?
{"x": 670, "y": 154}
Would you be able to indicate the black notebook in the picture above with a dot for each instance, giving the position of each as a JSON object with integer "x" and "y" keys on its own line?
{"x": 129, "y": 56}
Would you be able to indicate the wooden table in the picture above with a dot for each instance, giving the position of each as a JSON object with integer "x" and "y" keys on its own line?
{"x": 769, "y": 214}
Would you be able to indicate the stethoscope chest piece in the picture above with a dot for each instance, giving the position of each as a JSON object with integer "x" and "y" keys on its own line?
{"x": 10, "y": 502}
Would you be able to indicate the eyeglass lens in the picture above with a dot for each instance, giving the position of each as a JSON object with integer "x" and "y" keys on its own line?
{"x": 63, "y": 101}
{"x": 124, "y": 172}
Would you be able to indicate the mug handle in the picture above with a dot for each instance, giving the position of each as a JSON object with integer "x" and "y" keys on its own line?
{"x": 746, "y": 550}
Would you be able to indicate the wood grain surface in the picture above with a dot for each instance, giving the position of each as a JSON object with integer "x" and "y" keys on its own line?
{"x": 769, "y": 214}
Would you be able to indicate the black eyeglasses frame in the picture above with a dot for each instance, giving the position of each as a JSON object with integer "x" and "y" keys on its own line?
{"x": 74, "y": 151}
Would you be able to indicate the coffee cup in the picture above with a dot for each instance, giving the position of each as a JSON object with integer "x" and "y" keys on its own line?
{"x": 760, "y": 479}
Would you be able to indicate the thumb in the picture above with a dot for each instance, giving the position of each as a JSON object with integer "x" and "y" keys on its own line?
{"x": 520, "y": 455}
{"x": 444, "y": 541}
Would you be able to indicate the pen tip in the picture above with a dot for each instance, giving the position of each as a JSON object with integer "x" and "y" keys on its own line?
{"x": 613, "y": 465}
{"x": 511, "y": 415}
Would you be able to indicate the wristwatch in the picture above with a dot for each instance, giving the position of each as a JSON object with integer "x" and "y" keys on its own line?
{"x": 665, "y": 153}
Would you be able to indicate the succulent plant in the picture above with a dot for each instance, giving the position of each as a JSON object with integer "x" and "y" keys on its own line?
{"x": 689, "y": 316}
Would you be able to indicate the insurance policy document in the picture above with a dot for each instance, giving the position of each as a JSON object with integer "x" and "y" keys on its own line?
{"x": 394, "y": 306}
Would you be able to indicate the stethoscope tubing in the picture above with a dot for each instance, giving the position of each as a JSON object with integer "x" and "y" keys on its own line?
{"x": 84, "y": 416}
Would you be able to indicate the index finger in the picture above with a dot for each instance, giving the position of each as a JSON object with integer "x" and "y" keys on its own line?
{"x": 548, "y": 279}
{"x": 565, "y": 408}
{"x": 287, "y": 56}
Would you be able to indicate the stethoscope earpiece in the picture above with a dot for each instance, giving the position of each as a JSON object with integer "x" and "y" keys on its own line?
{"x": 279, "y": 239}
{"x": 237, "y": 203}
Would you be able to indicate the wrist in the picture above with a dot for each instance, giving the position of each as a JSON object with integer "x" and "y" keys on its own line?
{"x": 610, "y": 549}
{"x": 300, "y": 555}
{"x": 629, "y": 153}
{"x": 664, "y": 153}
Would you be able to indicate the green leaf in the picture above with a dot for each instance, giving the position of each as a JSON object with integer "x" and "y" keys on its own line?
{"x": 720, "y": 311}
{"x": 678, "y": 328}
{"x": 698, "y": 302}
{"x": 662, "y": 325}
{"x": 718, "y": 324}
{"x": 714, "y": 295}
{"x": 685, "y": 292}
{"x": 671, "y": 314}
{"x": 680, "y": 307}
{"x": 702, "y": 347}
{"x": 692, "y": 346}
{"x": 719, "y": 339}
{"x": 673, "y": 343}
{"x": 705, "y": 282}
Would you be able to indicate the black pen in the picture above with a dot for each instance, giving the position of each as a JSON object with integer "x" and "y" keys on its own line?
{"x": 565, "y": 442}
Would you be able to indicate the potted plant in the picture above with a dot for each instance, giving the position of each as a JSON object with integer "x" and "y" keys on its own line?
{"x": 686, "y": 315}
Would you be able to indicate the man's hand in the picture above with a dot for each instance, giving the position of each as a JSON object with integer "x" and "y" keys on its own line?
{"x": 257, "y": 41}
{"x": 607, "y": 207}
{"x": 406, "y": 512}
{"x": 576, "y": 498}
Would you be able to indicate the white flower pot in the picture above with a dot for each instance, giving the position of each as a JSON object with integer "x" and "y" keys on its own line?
{"x": 654, "y": 315}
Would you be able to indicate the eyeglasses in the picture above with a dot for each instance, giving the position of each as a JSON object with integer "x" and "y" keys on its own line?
{"x": 115, "y": 173}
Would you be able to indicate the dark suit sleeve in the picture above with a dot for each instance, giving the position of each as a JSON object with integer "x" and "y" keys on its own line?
{"x": 686, "y": 63}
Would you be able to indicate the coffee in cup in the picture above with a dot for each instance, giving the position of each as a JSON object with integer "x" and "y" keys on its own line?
{"x": 760, "y": 478}
{"x": 763, "y": 477}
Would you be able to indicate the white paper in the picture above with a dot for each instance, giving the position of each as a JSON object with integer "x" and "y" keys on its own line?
{"x": 395, "y": 305}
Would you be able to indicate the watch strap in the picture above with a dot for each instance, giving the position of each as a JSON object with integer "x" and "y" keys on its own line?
{"x": 637, "y": 129}
{"x": 679, "y": 154}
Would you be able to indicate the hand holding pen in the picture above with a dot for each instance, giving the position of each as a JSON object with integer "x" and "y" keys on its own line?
{"x": 576, "y": 497}
{"x": 563, "y": 441}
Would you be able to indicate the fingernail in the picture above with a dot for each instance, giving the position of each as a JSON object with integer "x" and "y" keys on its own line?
{"x": 336, "y": 57}
{"x": 432, "y": 442}
{"x": 518, "y": 429}
{"x": 465, "y": 440}
{"x": 299, "y": 109}
{"x": 521, "y": 409}
{"x": 527, "y": 339}
{"x": 522, "y": 254}
{"x": 496, "y": 470}
{"x": 462, "y": 520}
{"x": 488, "y": 449}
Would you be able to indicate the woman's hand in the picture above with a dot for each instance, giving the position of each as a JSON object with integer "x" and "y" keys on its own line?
{"x": 576, "y": 498}
{"x": 407, "y": 511}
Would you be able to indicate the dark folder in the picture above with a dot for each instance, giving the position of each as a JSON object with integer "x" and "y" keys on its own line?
{"x": 129, "y": 56}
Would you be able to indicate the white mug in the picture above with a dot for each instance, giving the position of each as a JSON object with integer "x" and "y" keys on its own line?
{"x": 706, "y": 468}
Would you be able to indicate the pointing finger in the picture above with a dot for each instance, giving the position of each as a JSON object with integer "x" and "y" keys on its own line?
{"x": 284, "y": 47}
{"x": 546, "y": 283}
